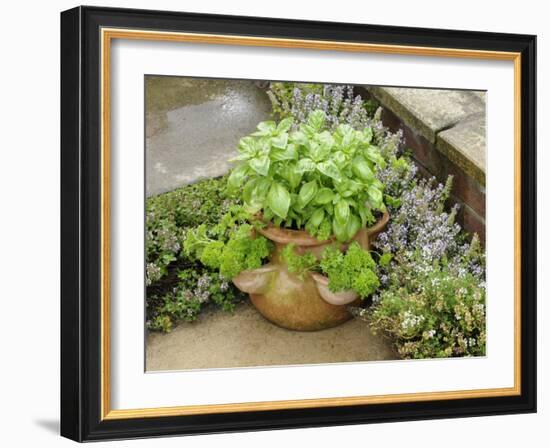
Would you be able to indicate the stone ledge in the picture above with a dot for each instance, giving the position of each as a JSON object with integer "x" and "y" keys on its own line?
{"x": 451, "y": 120}
{"x": 464, "y": 144}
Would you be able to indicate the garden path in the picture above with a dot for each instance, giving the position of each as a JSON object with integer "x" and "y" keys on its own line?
{"x": 193, "y": 127}
{"x": 244, "y": 338}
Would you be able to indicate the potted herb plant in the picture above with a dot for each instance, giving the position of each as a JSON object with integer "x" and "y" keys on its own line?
{"x": 313, "y": 189}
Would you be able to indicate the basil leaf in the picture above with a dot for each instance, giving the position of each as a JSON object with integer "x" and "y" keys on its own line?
{"x": 254, "y": 194}
{"x": 315, "y": 221}
{"x": 375, "y": 197}
{"x": 325, "y": 139}
{"x": 305, "y": 165}
{"x": 260, "y": 164}
{"x": 353, "y": 226}
{"x": 285, "y": 124}
{"x": 236, "y": 178}
{"x": 316, "y": 120}
{"x": 278, "y": 200}
{"x": 307, "y": 192}
{"x": 247, "y": 145}
{"x": 341, "y": 211}
{"x": 319, "y": 152}
{"x": 265, "y": 128}
{"x": 261, "y": 188}
{"x": 289, "y": 153}
{"x": 324, "y": 196}
{"x": 340, "y": 159}
{"x": 362, "y": 169}
{"x": 345, "y": 136}
{"x": 317, "y": 217}
{"x": 329, "y": 169}
{"x": 280, "y": 141}
{"x": 340, "y": 231}
{"x": 373, "y": 153}
{"x": 299, "y": 138}
{"x": 367, "y": 135}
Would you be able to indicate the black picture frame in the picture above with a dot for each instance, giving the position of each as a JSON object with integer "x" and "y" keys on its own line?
{"x": 81, "y": 224}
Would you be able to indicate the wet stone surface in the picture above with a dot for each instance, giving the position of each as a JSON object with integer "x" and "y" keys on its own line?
{"x": 193, "y": 127}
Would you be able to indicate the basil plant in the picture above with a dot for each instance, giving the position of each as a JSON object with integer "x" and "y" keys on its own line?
{"x": 311, "y": 178}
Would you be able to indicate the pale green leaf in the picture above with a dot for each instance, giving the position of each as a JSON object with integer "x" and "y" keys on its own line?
{"x": 316, "y": 120}
{"x": 375, "y": 197}
{"x": 280, "y": 141}
{"x": 341, "y": 211}
{"x": 329, "y": 168}
{"x": 307, "y": 192}
{"x": 247, "y": 145}
{"x": 340, "y": 230}
{"x": 236, "y": 178}
{"x": 367, "y": 135}
{"x": 353, "y": 226}
{"x": 285, "y": 124}
{"x": 265, "y": 128}
{"x": 260, "y": 164}
{"x": 324, "y": 196}
{"x": 278, "y": 200}
{"x": 362, "y": 169}
{"x": 305, "y": 165}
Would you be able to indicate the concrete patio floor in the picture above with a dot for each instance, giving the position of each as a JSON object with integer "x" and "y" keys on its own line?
{"x": 245, "y": 339}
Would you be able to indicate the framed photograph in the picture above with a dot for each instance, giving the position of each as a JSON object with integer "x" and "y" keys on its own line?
{"x": 272, "y": 223}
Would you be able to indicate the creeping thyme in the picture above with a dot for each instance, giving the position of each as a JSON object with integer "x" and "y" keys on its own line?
{"x": 432, "y": 312}
{"x": 195, "y": 288}
{"x": 169, "y": 215}
{"x": 179, "y": 288}
{"x": 432, "y": 302}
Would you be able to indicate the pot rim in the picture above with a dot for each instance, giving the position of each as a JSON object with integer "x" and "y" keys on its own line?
{"x": 303, "y": 238}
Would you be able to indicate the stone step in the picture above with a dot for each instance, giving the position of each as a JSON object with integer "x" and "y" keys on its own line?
{"x": 451, "y": 120}
{"x": 446, "y": 132}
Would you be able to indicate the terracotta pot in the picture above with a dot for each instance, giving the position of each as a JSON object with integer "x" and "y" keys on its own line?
{"x": 296, "y": 302}
{"x": 256, "y": 281}
{"x": 334, "y": 298}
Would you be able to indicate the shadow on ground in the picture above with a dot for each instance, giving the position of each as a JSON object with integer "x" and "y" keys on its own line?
{"x": 51, "y": 426}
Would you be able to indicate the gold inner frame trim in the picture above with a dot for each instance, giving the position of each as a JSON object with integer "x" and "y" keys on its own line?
{"x": 107, "y": 35}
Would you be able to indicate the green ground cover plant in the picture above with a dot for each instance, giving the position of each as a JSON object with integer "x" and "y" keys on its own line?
{"x": 432, "y": 299}
{"x": 178, "y": 286}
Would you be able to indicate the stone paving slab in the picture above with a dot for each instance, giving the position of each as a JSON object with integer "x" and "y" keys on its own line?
{"x": 453, "y": 121}
{"x": 428, "y": 111}
{"x": 245, "y": 339}
{"x": 464, "y": 144}
{"x": 193, "y": 127}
